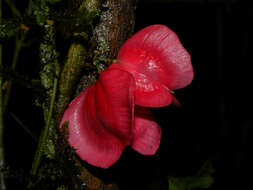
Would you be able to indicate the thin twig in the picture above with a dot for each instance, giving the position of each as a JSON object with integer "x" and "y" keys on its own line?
{"x": 44, "y": 134}
{"x": 24, "y": 126}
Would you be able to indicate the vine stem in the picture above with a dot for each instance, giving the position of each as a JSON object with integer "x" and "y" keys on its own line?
{"x": 26, "y": 129}
{"x": 2, "y": 161}
{"x": 44, "y": 134}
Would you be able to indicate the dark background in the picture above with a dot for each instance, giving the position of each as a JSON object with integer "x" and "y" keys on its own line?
{"x": 215, "y": 121}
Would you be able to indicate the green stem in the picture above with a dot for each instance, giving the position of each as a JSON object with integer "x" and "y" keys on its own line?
{"x": 2, "y": 161}
{"x": 44, "y": 134}
{"x": 49, "y": 79}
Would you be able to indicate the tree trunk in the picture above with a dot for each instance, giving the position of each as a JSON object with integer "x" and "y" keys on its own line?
{"x": 115, "y": 27}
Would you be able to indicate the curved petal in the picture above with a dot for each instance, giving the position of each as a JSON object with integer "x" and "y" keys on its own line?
{"x": 114, "y": 96}
{"x": 101, "y": 118}
{"x": 92, "y": 141}
{"x": 148, "y": 93}
{"x": 147, "y": 133}
{"x": 157, "y": 53}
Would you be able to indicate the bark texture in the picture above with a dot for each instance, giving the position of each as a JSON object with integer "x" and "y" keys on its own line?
{"x": 115, "y": 27}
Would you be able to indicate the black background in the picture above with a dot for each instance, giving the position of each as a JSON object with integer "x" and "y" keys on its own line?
{"x": 214, "y": 121}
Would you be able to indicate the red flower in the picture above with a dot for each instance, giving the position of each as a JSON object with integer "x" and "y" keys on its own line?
{"x": 158, "y": 62}
{"x": 104, "y": 119}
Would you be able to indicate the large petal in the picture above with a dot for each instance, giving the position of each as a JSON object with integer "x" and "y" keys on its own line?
{"x": 101, "y": 118}
{"x": 157, "y": 53}
{"x": 115, "y": 102}
{"x": 92, "y": 141}
{"x": 147, "y": 133}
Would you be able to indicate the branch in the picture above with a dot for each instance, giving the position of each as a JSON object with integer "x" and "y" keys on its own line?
{"x": 76, "y": 60}
{"x": 26, "y": 129}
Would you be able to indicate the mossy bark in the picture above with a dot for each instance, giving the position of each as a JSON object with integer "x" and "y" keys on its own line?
{"x": 115, "y": 27}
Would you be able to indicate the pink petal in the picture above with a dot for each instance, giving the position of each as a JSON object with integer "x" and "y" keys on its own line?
{"x": 92, "y": 141}
{"x": 101, "y": 119}
{"x": 147, "y": 133}
{"x": 115, "y": 102}
{"x": 157, "y": 53}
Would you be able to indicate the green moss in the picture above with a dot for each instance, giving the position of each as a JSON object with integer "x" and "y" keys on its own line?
{"x": 70, "y": 74}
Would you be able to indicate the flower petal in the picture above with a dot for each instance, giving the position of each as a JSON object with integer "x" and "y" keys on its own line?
{"x": 115, "y": 102}
{"x": 101, "y": 118}
{"x": 157, "y": 53}
{"x": 92, "y": 141}
{"x": 147, "y": 133}
{"x": 148, "y": 93}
